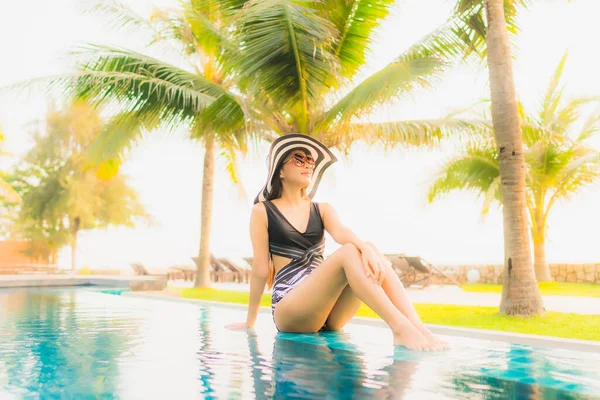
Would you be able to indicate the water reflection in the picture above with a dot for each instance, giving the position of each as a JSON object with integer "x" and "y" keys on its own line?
{"x": 51, "y": 350}
{"x": 518, "y": 373}
{"x": 317, "y": 366}
{"x": 84, "y": 344}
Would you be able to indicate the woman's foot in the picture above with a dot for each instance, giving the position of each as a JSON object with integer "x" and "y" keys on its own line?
{"x": 432, "y": 340}
{"x": 412, "y": 339}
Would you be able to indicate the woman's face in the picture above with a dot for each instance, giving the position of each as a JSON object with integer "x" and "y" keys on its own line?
{"x": 298, "y": 168}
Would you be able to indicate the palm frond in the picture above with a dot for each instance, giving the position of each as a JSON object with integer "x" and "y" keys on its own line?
{"x": 453, "y": 39}
{"x": 568, "y": 114}
{"x": 476, "y": 170}
{"x": 491, "y": 195}
{"x": 117, "y": 74}
{"x": 355, "y": 21}
{"x": 582, "y": 170}
{"x": 590, "y": 127}
{"x": 231, "y": 166}
{"x": 554, "y": 93}
{"x": 143, "y": 85}
{"x": 286, "y": 51}
{"x": 209, "y": 24}
{"x": 472, "y": 26}
{"x": 397, "y": 78}
{"x": 464, "y": 33}
{"x": 406, "y": 133}
{"x": 533, "y": 133}
{"x": 544, "y": 162}
{"x": 119, "y": 135}
{"x": 195, "y": 32}
{"x": 225, "y": 116}
{"x": 121, "y": 15}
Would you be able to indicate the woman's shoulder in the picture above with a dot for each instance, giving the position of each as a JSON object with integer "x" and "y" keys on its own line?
{"x": 259, "y": 211}
{"x": 259, "y": 214}
{"x": 259, "y": 208}
{"x": 322, "y": 205}
{"x": 323, "y": 208}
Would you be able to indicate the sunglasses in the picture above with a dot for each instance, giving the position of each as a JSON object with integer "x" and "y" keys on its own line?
{"x": 302, "y": 160}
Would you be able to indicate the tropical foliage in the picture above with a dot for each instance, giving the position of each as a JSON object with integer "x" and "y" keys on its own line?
{"x": 6, "y": 191}
{"x": 560, "y": 161}
{"x": 62, "y": 192}
{"x": 257, "y": 70}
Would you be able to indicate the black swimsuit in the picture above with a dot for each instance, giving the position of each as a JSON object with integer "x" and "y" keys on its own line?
{"x": 304, "y": 249}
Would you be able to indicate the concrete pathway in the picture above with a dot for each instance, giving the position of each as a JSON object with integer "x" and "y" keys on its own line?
{"x": 455, "y": 295}
{"x": 44, "y": 280}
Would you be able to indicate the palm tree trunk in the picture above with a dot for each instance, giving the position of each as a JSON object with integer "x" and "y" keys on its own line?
{"x": 538, "y": 233}
{"x": 542, "y": 270}
{"x": 74, "y": 233}
{"x": 520, "y": 294}
{"x": 203, "y": 259}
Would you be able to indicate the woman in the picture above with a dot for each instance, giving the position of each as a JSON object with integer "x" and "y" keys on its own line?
{"x": 287, "y": 234}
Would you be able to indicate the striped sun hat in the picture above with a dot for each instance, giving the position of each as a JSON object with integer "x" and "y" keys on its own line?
{"x": 282, "y": 145}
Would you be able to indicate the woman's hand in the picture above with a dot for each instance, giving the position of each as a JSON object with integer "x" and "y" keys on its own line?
{"x": 238, "y": 326}
{"x": 384, "y": 260}
{"x": 373, "y": 264}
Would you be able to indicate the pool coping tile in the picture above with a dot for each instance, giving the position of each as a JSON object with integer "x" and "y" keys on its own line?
{"x": 481, "y": 334}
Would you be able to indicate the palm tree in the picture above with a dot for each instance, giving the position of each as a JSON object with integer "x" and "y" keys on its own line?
{"x": 520, "y": 294}
{"x": 298, "y": 65}
{"x": 485, "y": 28}
{"x": 558, "y": 163}
{"x": 261, "y": 69}
{"x": 152, "y": 93}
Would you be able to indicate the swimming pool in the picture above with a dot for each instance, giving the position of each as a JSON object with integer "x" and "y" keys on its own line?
{"x": 82, "y": 343}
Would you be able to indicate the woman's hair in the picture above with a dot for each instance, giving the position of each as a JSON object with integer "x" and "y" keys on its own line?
{"x": 275, "y": 193}
{"x": 276, "y": 184}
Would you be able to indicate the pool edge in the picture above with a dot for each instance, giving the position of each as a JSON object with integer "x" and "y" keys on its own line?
{"x": 482, "y": 334}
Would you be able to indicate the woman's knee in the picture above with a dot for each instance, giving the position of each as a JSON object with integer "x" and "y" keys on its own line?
{"x": 349, "y": 250}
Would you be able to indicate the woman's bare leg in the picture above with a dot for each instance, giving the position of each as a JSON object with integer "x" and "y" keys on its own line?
{"x": 397, "y": 294}
{"x": 348, "y": 304}
{"x": 343, "y": 310}
{"x": 306, "y": 307}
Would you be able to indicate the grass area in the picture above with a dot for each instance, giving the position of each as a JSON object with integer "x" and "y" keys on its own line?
{"x": 546, "y": 289}
{"x": 564, "y": 325}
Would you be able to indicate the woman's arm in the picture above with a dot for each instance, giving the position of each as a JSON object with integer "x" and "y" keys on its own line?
{"x": 260, "y": 261}
{"x": 373, "y": 260}
{"x": 260, "y": 264}
{"x": 340, "y": 233}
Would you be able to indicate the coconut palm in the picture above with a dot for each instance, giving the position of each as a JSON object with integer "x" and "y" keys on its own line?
{"x": 260, "y": 69}
{"x": 559, "y": 160}
{"x": 485, "y": 27}
{"x": 155, "y": 94}
{"x": 519, "y": 292}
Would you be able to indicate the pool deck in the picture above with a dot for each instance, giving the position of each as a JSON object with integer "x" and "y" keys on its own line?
{"x": 134, "y": 283}
{"x": 480, "y": 334}
{"x": 456, "y": 296}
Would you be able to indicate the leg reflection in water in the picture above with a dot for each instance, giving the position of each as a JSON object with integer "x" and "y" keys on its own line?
{"x": 324, "y": 365}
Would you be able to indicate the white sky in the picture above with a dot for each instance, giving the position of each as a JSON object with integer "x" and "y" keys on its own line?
{"x": 380, "y": 196}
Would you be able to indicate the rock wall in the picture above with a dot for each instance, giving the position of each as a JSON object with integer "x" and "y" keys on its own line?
{"x": 580, "y": 273}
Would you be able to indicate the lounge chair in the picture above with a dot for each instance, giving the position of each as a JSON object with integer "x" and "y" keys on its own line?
{"x": 416, "y": 270}
{"x": 140, "y": 270}
{"x": 240, "y": 267}
{"x": 219, "y": 270}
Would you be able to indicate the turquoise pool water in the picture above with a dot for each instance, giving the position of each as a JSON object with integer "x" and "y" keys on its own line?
{"x": 85, "y": 344}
